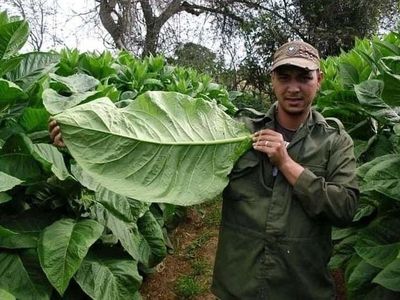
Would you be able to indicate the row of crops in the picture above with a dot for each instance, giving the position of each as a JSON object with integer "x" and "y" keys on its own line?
{"x": 362, "y": 88}
{"x": 60, "y": 233}
{"x": 64, "y": 235}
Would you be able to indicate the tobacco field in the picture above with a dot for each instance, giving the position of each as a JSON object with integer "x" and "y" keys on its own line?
{"x": 91, "y": 220}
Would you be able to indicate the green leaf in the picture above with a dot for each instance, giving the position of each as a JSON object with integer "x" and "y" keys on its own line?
{"x": 152, "y": 232}
{"x": 377, "y": 254}
{"x": 363, "y": 210}
{"x": 7, "y": 65}
{"x": 361, "y": 276}
{"x": 23, "y": 280}
{"x": 62, "y": 247}
{"x": 390, "y": 276}
{"x": 51, "y": 158}
{"x": 56, "y": 103}
{"x": 369, "y": 94}
{"x": 118, "y": 205}
{"x": 7, "y": 182}
{"x": 391, "y": 79}
{"x": 179, "y": 150}
{"x": 127, "y": 233}
{"x": 77, "y": 83}
{"x": 34, "y": 119}
{"x": 32, "y": 67}
{"x": 13, "y": 36}
{"x": 348, "y": 75}
{"x": 84, "y": 179}
{"x": 10, "y": 93}
{"x": 384, "y": 177}
{"x": 4, "y": 295}
{"x": 341, "y": 233}
{"x": 14, "y": 240}
{"x": 4, "y": 197}
{"x": 106, "y": 278}
{"x": 21, "y": 166}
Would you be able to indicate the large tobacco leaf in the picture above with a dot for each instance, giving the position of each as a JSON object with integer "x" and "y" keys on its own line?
{"x": 103, "y": 277}
{"x": 21, "y": 276}
{"x": 62, "y": 247}
{"x": 163, "y": 147}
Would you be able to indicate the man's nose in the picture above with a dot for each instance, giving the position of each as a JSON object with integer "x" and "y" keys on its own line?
{"x": 293, "y": 86}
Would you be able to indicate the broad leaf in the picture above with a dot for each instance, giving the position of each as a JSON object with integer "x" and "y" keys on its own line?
{"x": 13, "y": 36}
{"x": 363, "y": 210}
{"x": 62, "y": 247}
{"x": 7, "y": 65}
{"x": 77, "y": 83}
{"x": 20, "y": 165}
{"x": 10, "y": 93}
{"x": 4, "y": 295}
{"x": 7, "y": 182}
{"x": 369, "y": 94}
{"x": 361, "y": 276}
{"x": 126, "y": 233}
{"x": 32, "y": 66}
{"x": 4, "y": 197}
{"x": 384, "y": 177}
{"x": 377, "y": 254}
{"x": 23, "y": 281}
{"x": 108, "y": 278}
{"x": 152, "y": 232}
{"x": 34, "y": 119}
{"x": 119, "y": 205}
{"x": 14, "y": 240}
{"x": 390, "y": 276}
{"x": 391, "y": 78}
{"x": 52, "y": 159}
{"x": 348, "y": 75}
{"x": 163, "y": 147}
{"x": 23, "y": 231}
{"x": 56, "y": 103}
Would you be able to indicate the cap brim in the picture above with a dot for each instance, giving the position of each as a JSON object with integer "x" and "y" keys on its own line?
{"x": 296, "y": 61}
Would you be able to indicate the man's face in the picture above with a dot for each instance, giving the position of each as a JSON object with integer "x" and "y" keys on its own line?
{"x": 295, "y": 88}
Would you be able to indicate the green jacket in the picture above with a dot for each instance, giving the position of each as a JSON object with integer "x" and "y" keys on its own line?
{"x": 275, "y": 239}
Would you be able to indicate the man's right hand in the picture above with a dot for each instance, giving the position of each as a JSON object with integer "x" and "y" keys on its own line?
{"x": 55, "y": 133}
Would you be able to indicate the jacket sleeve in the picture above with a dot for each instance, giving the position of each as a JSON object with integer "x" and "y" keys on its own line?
{"x": 335, "y": 195}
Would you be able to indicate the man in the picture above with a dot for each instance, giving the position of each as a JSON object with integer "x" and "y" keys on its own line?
{"x": 286, "y": 193}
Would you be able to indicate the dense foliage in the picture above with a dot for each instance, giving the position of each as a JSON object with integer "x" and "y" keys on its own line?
{"x": 362, "y": 88}
{"x": 61, "y": 232}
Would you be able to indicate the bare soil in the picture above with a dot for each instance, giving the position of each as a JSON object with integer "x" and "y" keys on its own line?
{"x": 194, "y": 241}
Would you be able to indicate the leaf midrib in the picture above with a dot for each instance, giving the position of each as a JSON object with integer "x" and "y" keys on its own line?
{"x": 167, "y": 143}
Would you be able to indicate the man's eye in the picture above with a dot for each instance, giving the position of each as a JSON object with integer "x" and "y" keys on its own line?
{"x": 306, "y": 78}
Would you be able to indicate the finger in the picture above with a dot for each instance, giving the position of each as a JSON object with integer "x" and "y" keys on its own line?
{"x": 266, "y": 132}
{"x": 52, "y": 123}
{"x": 54, "y": 132}
{"x": 58, "y": 141}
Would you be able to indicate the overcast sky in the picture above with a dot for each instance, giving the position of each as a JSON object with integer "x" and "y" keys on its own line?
{"x": 71, "y": 29}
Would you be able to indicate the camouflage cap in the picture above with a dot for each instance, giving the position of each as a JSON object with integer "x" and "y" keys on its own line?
{"x": 296, "y": 53}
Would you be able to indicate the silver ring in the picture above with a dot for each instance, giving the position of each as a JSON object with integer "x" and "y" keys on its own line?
{"x": 286, "y": 144}
{"x": 266, "y": 143}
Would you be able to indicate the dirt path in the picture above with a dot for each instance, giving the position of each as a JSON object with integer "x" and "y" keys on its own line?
{"x": 186, "y": 272}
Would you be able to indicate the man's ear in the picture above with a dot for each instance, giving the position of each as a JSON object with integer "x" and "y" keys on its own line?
{"x": 320, "y": 75}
